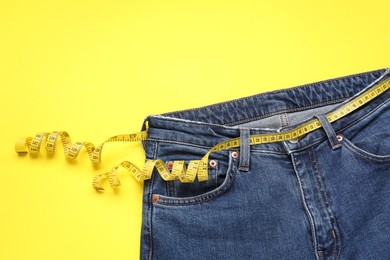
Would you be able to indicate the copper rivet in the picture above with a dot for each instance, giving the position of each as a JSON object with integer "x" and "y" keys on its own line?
{"x": 213, "y": 163}
{"x": 155, "y": 198}
{"x": 339, "y": 138}
{"x": 235, "y": 154}
{"x": 169, "y": 164}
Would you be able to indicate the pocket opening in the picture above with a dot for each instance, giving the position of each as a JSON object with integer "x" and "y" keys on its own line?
{"x": 220, "y": 180}
{"x": 363, "y": 154}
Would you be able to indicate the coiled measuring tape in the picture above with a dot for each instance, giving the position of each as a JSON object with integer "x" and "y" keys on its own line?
{"x": 179, "y": 171}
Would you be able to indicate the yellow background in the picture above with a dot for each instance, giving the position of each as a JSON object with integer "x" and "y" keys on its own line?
{"x": 98, "y": 68}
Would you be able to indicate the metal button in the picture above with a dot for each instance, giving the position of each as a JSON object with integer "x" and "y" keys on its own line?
{"x": 155, "y": 198}
{"x": 169, "y": 164}
{"x": 235, "y": 154}
{"x": 293, "y": 141}
{"x": 213, "y": 163}
{"x": 339, "y": 138}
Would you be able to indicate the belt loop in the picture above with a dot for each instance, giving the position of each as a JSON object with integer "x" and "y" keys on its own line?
{"x": 244, "y": 149}
{"x": 332, "y": 137}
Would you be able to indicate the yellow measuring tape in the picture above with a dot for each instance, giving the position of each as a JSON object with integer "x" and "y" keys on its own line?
{"x": 179, "y": 169}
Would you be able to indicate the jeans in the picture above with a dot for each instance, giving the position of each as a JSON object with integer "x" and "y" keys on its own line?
{"x": 325, "y": 195}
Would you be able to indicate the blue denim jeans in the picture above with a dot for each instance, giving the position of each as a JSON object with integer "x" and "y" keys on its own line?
{"x": 325, "y": 195}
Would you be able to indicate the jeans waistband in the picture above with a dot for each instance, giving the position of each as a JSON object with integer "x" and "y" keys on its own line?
{"x": 209, "y": 125}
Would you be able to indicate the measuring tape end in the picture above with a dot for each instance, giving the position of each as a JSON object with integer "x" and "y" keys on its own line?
{"x": 20, "y": 146}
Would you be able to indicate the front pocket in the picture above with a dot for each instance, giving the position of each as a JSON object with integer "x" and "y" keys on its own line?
{"x": 220, "y": 181}
{"x": 363, "y": 154}
{"x": 369, "y": 138}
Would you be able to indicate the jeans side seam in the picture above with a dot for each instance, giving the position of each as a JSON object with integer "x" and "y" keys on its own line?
{"x": 150, "y": 206}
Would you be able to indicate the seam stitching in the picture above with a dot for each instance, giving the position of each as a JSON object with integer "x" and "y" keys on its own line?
{"x": 151, "y": 207}
{"x": 357, "y": 120}
{"x": 176, "y": 202}
{"x": 383, "y": 72}
{"x": 324, "y": 198}
{"x": 308, "y": 212}
{"x": 329, "y": 102}
{"x": 365, "y": 155}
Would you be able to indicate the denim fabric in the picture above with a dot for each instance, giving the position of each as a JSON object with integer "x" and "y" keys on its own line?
{"x": 325, "y": 195}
